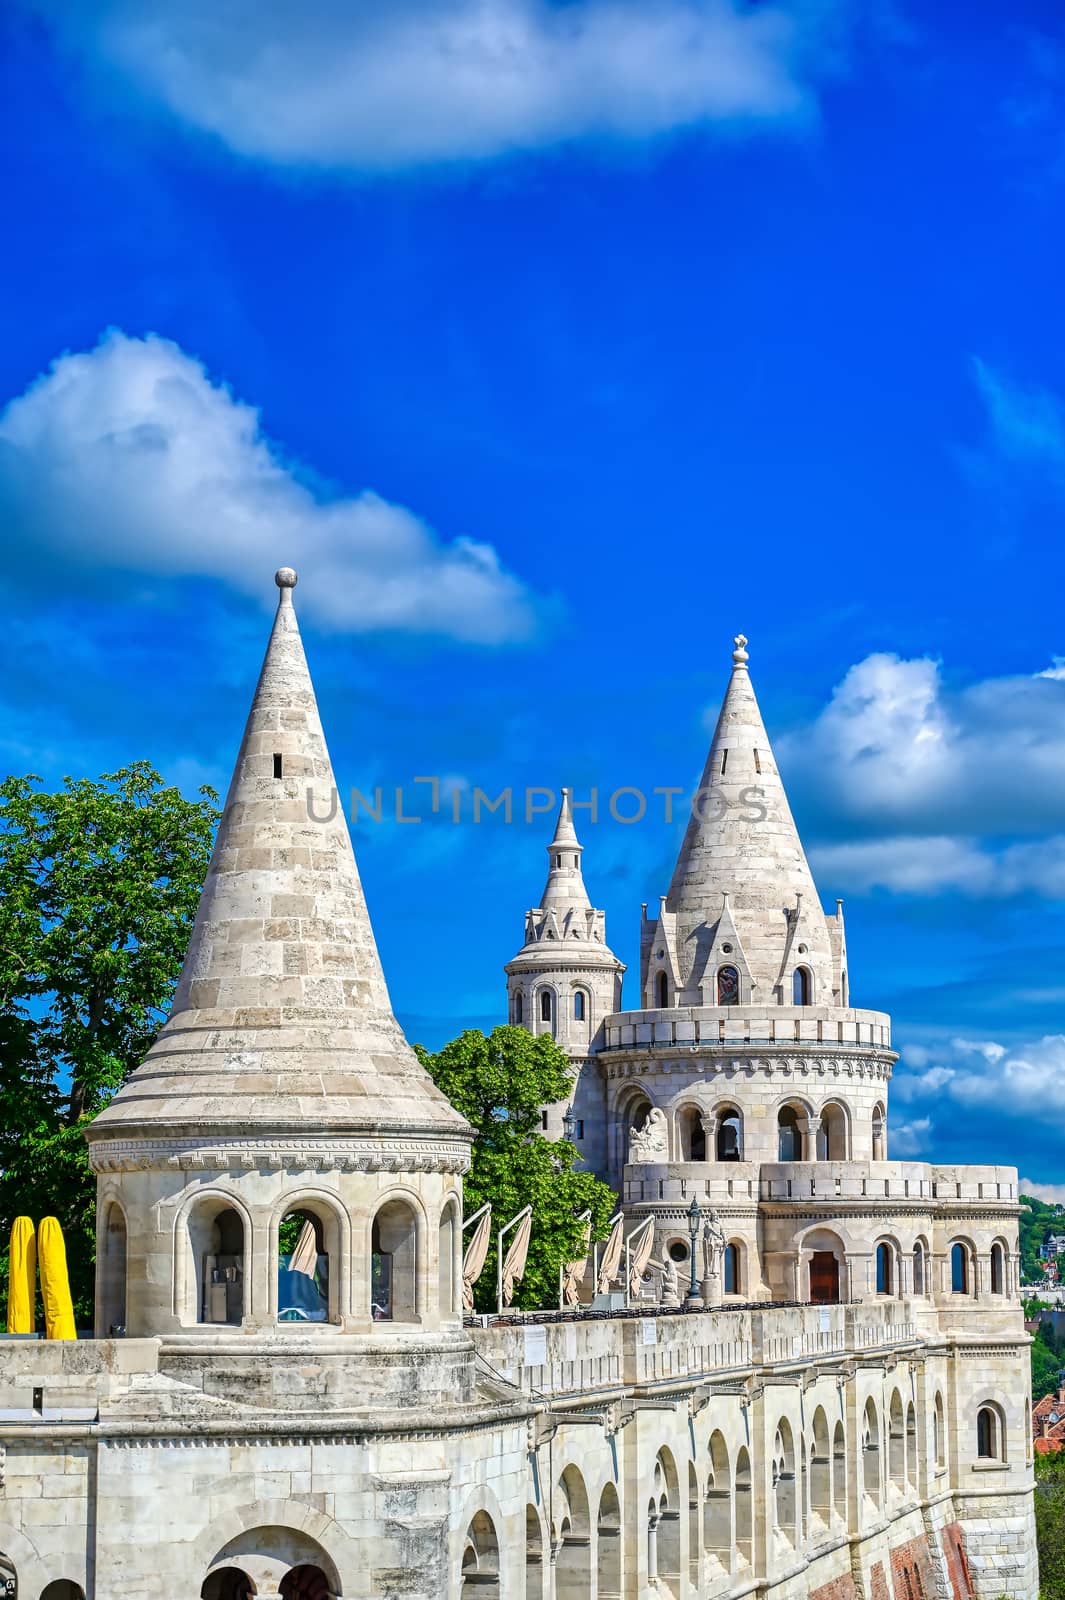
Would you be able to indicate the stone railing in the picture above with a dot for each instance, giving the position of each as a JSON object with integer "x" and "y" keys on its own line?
{"x": 854, "y": 1182}
{"x": 791, "y": 1026}
{"x": 586, "y": 1357}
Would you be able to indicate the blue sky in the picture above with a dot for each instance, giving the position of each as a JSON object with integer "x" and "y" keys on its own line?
{"x": 553, "y": 344}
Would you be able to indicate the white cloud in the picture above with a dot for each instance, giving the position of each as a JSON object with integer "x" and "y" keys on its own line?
{"x": 129, "y": 456}
{"x": 1027, "y": 424}
{"x": 944, "y": 865}
{"x": 1052, "y": 1193}
{"x": 910, "y": 1138}
{"x": 1015, "y": 1081}
{"x": 347, "y": 83}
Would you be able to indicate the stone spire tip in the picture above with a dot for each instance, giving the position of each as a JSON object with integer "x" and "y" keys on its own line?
{"x": 739, "y": 655}
{"x": 286, "y": 580}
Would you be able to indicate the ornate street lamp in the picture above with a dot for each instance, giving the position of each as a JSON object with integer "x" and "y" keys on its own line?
{"x": 569, "y": 1124}
{"x": 695, "y": 1225}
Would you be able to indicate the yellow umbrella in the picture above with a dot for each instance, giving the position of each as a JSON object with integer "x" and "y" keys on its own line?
{"x": 55, "y": 1285}
{"x": 22, "y": 1278}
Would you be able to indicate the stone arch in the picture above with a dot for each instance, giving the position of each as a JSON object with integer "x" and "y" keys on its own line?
{"x": 990, "y": 1419}
{"x": 535, "y": 1566}
{"x": 744, "y": 1508}
{"x": 911, "y": 1445}
{"x": 271, "y": 1549}
{"x": 961, "y": 1262}
{"x": 689, "y": 1137}
{"x": 313, "y": 1536}
{"x": 785, "y": 1502}
{"x": 896, "y": 1441}
{"x": 396, "y": 1254}
{"x": 728, "y": 1132}
{"x": 112, "y": 1256}
{"x": 921, "y": 1281}
{"x": 839, "y": 1471}
{"x": 870, "y": 1451}
{"x": 545, "y": 1008}
{"x": 573, "y": 1537}
{"x": 208, "y": 1242}
{"x": 693, "y": 1526}
{"x": 820, "y": 1468}
{"x": 333, "y": 1238}
{"x": 793, "y": 1117}
{"x": 63, "y": 1589}
{"x": 449, "y": 1275}
{"x": 609, "y": 1544}
{"x": 834, "y": 1132}
{"x": 879, "y": 1132}
{"x": 666, "y": 1494}
{"x": 802, "y": 986}
{"x": 717, "y": 1502}
{"x": 998, "y": 1267}
{"x": 24, "y": 1563}
{"x": 939, "y": 1432}
{"x": 823, "y": 1264}
{"x": 479, "y": 1572}
{"x": 734, "y": 1268}
{"x": 886, "y": 1261}
{"x": 228, "y": 1583}
{"x": 305, "y": 1582}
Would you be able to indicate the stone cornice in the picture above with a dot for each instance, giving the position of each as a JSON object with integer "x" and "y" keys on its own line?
{"x": 730, "y": 1061}
{"x": 275, "y": 1154}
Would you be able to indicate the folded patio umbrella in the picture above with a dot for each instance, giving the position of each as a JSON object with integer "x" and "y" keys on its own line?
{"x": 638, "y": 1261}
{"x": 608, "y": 1267}
{"x": 514, "y": 1260}
{"x": 55, "y": 1284}
{"x": 573, "y": 1271}
{"x": 305, "y": 1256}
{"x": 22, "y": 1278}
{"x": 474, "y": 1259}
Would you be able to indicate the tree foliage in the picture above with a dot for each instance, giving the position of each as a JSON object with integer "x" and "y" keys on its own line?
{"x": 98, "y": 890}
{"x": 1050, "y": 1524}
{"x": 500, "y": 1082}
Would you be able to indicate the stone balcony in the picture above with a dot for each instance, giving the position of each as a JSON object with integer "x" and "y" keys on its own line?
{"x": 587, "y": 1357}
{"x": 790, "y": 1027}
{"x": 850, "y": 1183}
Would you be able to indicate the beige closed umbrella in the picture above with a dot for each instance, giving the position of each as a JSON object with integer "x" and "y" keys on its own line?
{"x": 573, "y": 1271}
{"x": 516, "y": 1256}
{"x": 608, "y": 1267}
{"x": 476, "y": 1255}
{"x": 638, "y": 1261}
{"x": 305, "y": 1256}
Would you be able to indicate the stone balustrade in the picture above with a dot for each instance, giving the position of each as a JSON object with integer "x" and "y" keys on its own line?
{"x": 716, "y": 1183}
{"x": 786, "y": 1026}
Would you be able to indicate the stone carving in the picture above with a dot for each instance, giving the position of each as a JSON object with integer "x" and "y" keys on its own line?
{"x": 713, "y": 1244}
{"x": 651, "y": 1142}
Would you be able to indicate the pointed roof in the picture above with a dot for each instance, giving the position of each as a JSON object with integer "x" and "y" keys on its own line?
{"x": 565, "y": 881}
{"x": 741, "y": 841}
{"x": 282, "y": 1019}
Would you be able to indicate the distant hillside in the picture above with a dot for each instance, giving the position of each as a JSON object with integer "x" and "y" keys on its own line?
{"x": 1038, "y": 1219}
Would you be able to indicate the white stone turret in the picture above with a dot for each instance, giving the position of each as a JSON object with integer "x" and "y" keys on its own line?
{"x": 565, "y": 979}
{"x": 742, "y": 923}
{"x": 281, "y": 1083}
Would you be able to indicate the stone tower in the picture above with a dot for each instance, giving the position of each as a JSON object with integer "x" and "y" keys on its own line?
{"x": 565, "y": 980}
{"x": 281, "y": 1084}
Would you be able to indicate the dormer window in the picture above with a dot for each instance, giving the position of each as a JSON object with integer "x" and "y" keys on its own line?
{"x": 278, "y": 766}
{"x": 728, "y": 986}
{"x": 800, "y": 987}
{"x": 558, "y": 861}
{"x": 661, "y": 991}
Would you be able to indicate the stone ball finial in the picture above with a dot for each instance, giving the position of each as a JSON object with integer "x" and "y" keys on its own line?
{"x": 285, "y": 577}
{"x": 739, "y": 655}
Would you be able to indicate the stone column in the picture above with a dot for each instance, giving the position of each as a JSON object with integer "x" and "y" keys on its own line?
{"x": 709, "y": 1122}
{"x": 808, "y": 1127}
{"x": 652, "y": 1550}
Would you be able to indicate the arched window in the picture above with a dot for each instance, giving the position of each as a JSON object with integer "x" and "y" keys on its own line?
{"x": 308, "y": 1582}
{"x": 728, "y": 986}
{"x": 661, "y": 991}
{"x": 692, "y": 1134}
{"x": 393, "y": 1274}
{"x": 304, "y": 1290}
{"x": 112, "y": 1257}
{"x": 839, "y": 1471}
{"x": 800, "y": 987}
{"x": 534, "y": 1555}
{"x": 832, "y": 1134}
{"x": 789, "y": 1138}
{"x": 227, "y": 1583}
{"x": 732, "y": 1269}
{"x": 896, "y": 1442}
{"x": 573, "y": 1568}
{"x": 998, "y": 1269}
{"x": 884, "y": 1269}
{"x": 959, "y": 1269}
{"x": 578, "y": 1005}
{"x": 519, "y": 1007}
{"x": 918, "y": 1268}
{"x": 785, "y": 1504}
{"x": 989, "y": 1434}
{"x": 62, "y": 1589}
{"x": 821, "y": 1469}
{"x": 480, "y": 1560}
{"x": 843, "y": 991}
{"x": 216, "y": 1233}
{"x": 608, "y": 1543}
{"x": 545, "y": 1005}
{"x": 744, "y": 1507}
{"x": 939, "y": 1438}
{"x": 871, "y": 1453}
{"x": 729, "y": 1138}
{"x": 879, "y": 1145}
{"x": 446, "y": 1244}
{"x": 717, "y": 1503}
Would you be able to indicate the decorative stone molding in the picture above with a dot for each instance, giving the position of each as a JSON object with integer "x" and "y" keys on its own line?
{"x": 302, "y": 1154}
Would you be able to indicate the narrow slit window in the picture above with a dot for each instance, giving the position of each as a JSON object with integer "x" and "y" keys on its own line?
{"x": 724, "y": 761}
{"x": 278, "y": 766}
{"x": 757, "y": 762}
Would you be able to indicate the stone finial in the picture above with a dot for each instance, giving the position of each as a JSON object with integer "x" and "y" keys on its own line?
{"x": 739, "y": 655}
{"x": 286, "y": 580}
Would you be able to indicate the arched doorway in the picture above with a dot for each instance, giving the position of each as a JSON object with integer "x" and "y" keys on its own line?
{"x": 534, "y": 1555}
{"x": 216, "y": 1235}
{"x": 667, "y": 1501}
{"x": 573, "y": 1563}
{"x": 832, "y": 1134}
{"x": 717, "y": 1504}
{"x": 231, "y": 1583}
{"x": 821, "y": 1470}
{"x": 729, "y": 1139}
{"x": 480, "y": 1560}
{"x": 393, "y": 1276}
{"x": 789, "y": 1135}
{"x": 62, "y": 1589}
{"x": 305, "y": 1256}
{"x": 744, "y": 1508}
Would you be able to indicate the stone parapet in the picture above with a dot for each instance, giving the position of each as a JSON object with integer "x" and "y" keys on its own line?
{"x": 761, "y": 1025}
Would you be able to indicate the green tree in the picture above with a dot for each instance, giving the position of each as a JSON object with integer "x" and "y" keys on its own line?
{"x": 1050, "y": 1524}
{"x": 98, "y": 890}
{"x": 500, "y": 1082}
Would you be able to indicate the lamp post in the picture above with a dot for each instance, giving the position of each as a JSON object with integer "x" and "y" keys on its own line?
{"x": 569, "y": 1124}
{"x": 695, "y": 1224}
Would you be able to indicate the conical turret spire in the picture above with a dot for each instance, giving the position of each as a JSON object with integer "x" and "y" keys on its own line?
{"x": 741, "y": 842}
{"x": 565, "y": 881}
{"x": 282, "y": 1016}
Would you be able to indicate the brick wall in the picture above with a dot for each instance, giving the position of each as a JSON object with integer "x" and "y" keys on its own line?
{"x": 839, "y": 1589}
{"x": 911, "y": 1570}
{"x": 953, "y": 1540}
{"x": 878, "y": 1586}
